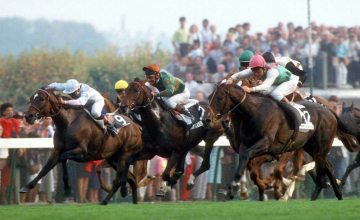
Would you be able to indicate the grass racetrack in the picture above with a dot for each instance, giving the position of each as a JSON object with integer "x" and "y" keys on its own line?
{"x": 294, "y": 209}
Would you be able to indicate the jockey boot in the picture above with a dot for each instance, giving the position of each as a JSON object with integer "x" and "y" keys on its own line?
{"x": 184, "y": 111}
{"x": 110, "y": 127}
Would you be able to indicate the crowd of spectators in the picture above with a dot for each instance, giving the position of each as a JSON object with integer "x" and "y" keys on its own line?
{"x": 208, "y": 56}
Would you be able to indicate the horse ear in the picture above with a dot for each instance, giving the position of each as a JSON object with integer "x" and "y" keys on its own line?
{"x": 105, "y": 95}
{"x": 143, "y": 82}
{"x": 352, "y": 106}
{"x": 51, "y": 90}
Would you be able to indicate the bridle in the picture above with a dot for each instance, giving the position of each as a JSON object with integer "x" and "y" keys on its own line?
{"x": 133, "y": 105}
{"x": 228, "y": 96}
{"x": 40, "y": 114}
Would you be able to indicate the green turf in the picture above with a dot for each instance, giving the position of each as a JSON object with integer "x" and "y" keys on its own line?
{"x": 294, "y": 209}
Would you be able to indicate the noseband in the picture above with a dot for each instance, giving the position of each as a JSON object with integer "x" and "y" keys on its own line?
{"x": 133, "y": 105}
{"x": 39, "y": 114}
{"x": 231, "y": 97}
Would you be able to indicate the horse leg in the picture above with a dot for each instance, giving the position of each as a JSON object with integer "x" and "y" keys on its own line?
{"x": 140, "y": 171}
{"x": 332, "y": 178}
{"x": 50, "y": 164}
{"x": 173, "y": 159}
{"x": 133, "y": 184}
{"x": 353, "y": 165}
{"x": 255, "y": 165}
{"x": 78, "y": 154}
{"x": 320, "y": 178}
{"x": 67, "y": 188}
{"x": 143, "y": 154}
{"x": 205, "y": 166}
{"x": 279, "y": 171}
{"x": 99, "y": 167}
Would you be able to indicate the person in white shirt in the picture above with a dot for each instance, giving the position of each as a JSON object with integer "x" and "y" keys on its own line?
{"x": 82, "y": 94}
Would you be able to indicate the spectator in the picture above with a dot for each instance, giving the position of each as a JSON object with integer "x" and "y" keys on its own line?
{"x": 353, "y": 57}
{"x": 180, "y": 39}
{"x": 173, "y": 65}
{"x": 195, "y": 37}
{"x": 214, "y": 35}
{"x": 94, "y": 184}
{"x": 82, "y": 182}
{"x": 209, "y": 61}
{"x": 10, "y": 130}
{"x": 230, "y": 43}
{"x": 332, "y": 59}
{"x": 195, "y": 52}
{"x": 220, "y": 74}
{"x": 246, "y": 27}
{"x": 205, "y": 32}
{"x": 196, "y": 70}
{"x": 246, "y": 43}
{"x": 217, "y": 53}
{"x": 239, "y": 33}
{"x": 229, "y": 62}
{"x": 191, "y": 85}
{"x": 334, "y": 101}
{"x": 266, "y": 45}
{"x": 342, "y": 62}
{"x": 183, "y": 68}
{"x": 200, "y": 96}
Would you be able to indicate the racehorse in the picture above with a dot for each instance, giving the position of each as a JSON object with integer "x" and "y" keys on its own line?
{"x": 351, "y": 116}
{"x": 79, "y": 138}
{"x": 266, "y": 129}
{"x": 163, "y": 136}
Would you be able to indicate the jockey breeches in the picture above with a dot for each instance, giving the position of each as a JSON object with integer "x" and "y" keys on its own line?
{"x": 180, "y": 98}
{"x": 278, "y": 92}
{"x": 96, "y": 108}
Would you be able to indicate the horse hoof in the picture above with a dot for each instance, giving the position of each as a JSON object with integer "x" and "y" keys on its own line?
{"x": 25, "y": 189}
{"x": 190, "y": 187}
{"x": 244, "y": 195}
{"x": 150, "y": 177}
{"x": 104, "y": 203}
{"x": 124, "y": 192}
{"x": 160, "y": 194}
{"x": 67, "y": 191}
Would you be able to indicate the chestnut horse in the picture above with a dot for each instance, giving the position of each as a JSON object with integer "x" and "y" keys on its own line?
{"x": 266, "y": 129}
{"x": 79, "y": 138}
{"x": 163, "y": 136}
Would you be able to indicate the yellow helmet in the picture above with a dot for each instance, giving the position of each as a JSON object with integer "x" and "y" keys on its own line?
{"x": 121, "y": 85}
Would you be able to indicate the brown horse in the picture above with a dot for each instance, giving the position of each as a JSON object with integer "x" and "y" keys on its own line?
{"x": 78, "y": 138}
{"x": 163, "y": 136}
{"x": 267, "y": 129}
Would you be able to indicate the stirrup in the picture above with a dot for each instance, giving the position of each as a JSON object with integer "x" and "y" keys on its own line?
{"x": 112, "y": 130}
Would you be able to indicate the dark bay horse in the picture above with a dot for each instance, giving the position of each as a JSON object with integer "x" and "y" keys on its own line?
{"x": 163, "y": 136}
{"x": 78, "y": 138}
{"x": 351, "y": 116}
{"x": 266, "y": 129}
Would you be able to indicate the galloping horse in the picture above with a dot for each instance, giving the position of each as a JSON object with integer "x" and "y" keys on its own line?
{"x": 78, "y": 138}
{"x": 163, "y": 136}
{"x": 266, "y": 129}
{"x": 351, "y": 116}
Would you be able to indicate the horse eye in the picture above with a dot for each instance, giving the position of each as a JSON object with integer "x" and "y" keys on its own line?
{"x": 220, "y": 98}
{"x": 136, "y": 90}
{"x": 42, "y": 99}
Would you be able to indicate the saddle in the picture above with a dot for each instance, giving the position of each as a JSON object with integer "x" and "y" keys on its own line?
{"x": 195, "y": 109}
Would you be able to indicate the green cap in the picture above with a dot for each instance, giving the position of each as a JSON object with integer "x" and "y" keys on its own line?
{"x": 246, "y": 56}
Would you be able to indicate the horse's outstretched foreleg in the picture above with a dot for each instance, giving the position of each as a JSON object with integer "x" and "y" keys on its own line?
{"x": 254, "y": 167}
{"x": 98, "y": 168}
{"x": 353, "y": 165}
{"x": 50, "y": 164}
{"x": 205, "y": 165}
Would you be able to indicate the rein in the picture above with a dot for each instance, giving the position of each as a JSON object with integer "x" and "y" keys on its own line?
{"x": 227, "y": 94}
{"x": 40, "y": 115}
{"x": 133, "y": 105}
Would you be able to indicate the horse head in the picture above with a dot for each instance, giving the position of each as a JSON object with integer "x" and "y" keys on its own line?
{"x": 221, "y": 100}
{"x": 41, "y": 105}
{"x": 137, "y": 95}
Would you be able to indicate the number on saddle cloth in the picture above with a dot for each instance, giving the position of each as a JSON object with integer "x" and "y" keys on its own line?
{"x": 306, "y": 124}
{"x": 196, "y": 110}
{"x": 117, "y": 120}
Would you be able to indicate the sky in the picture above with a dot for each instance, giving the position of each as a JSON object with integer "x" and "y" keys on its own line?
{"x": 162, "y": 15}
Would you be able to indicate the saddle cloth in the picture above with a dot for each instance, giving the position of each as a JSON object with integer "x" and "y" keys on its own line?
{"x": 195, "y": 109}
{"x": 306, "y": 124}
{"x": 118, "y": 121}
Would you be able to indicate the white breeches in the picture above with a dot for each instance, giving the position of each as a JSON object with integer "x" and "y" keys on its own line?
{"x": 180, "y": 98}
{"x": 96, "y": 108}
{"x": 341, "y": 74}
{"x": 278, "y": 92}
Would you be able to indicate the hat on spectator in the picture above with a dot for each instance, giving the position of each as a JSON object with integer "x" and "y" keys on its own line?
{"x": 152, "y": 67}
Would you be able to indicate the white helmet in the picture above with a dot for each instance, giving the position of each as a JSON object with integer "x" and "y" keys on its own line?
{"x": 71, "y": 86}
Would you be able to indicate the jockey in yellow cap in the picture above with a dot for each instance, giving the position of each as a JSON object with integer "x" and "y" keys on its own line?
{"x": 120, "y": 87}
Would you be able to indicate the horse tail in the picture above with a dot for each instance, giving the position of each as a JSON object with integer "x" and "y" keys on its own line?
{"x": 348, "y": 133}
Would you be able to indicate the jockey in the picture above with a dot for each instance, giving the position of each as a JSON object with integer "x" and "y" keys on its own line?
{"x": 171, "y": 88}
{"x": 244, "y": 59}
{"x": 277, "y": 80}
{"x": 82, "y": 94}
{"x": 120, "y": 87}
{"x": 290, "y": 64}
